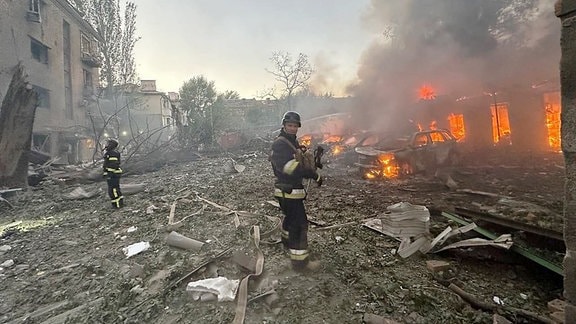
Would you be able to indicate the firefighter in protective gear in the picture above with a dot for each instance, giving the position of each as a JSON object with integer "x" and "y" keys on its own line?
{"x": 113, "y": 173}
{"x": 290, "y": 192}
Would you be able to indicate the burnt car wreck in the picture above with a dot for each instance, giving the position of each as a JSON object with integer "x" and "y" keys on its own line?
{"x": 421, "y": 152}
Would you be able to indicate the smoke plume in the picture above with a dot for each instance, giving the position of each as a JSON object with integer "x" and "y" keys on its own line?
{"x": 460, "y": 48}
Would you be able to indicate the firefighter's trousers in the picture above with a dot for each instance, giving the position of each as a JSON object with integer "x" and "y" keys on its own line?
{"x": 295, "y": 230}
{"x": 114, "y": 192}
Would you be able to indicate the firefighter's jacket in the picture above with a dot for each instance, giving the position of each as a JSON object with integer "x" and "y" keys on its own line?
{"x": 112, "y": 164}
{"x": 288, "y": 171}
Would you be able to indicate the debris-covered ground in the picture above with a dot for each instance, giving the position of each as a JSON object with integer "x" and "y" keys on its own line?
{"x": 68, "y": 260}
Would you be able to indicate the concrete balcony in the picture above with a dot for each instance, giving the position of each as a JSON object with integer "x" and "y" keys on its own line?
{"x": 91, "y": 60}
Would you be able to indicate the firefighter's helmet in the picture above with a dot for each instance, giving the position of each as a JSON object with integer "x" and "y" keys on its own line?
{"x": 291, "y": 117}
{"x": 111, "y": 143}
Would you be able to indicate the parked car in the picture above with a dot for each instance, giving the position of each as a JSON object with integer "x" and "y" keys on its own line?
{"x": 422, "y": 151}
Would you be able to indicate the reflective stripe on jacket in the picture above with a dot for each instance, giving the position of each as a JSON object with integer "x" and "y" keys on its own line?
{"x": 112, "y": 163}
{"x": 295, "y": 194}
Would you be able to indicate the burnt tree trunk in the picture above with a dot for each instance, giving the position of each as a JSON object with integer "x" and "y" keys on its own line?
{"x": 16, "y": 122}
{"x": 566, "y": 10}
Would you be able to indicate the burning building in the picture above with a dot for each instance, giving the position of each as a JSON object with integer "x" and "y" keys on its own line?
{"x": 467, "y": 66}
{"x": 524, "y": 119}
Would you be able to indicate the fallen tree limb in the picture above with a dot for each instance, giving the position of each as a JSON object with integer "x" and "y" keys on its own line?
{"x": 475, "y": 302}
{"x": 7, "y": 202}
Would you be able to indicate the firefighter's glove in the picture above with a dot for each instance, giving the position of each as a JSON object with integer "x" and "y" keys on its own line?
{"x": 319, "y": 180}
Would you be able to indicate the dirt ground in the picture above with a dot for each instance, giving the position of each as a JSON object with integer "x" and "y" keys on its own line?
{"x": 68, "y": 259}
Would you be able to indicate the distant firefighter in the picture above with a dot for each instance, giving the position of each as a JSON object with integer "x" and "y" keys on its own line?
{"x": 113, "y": 173}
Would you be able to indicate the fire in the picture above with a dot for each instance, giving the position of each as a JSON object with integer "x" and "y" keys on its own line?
{"x": 332, "y": 139}
{"x": 553, "y": 109}
{"x": 501, "y": 132}
{"x": 389, "y": 168}
{"x": 306, "y": 140}
{"x": 457, "y": 126}
{"x": 337, "y": 149}
{"x": 426, "y": 92}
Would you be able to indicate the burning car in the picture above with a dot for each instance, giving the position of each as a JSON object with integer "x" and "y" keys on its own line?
{"x": 423, "y": 151}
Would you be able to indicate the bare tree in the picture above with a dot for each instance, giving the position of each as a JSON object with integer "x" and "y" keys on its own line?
{"x": 119, "y": 35}
{"x": 293, "y": 75}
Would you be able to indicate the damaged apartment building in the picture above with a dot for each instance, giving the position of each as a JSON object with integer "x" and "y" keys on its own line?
{"x": 60, "y": 54}
{"x": 58, "y": 50}
{"x": 140, "y": 113}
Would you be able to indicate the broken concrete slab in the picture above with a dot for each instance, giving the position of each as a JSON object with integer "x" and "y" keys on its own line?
{"x": 225, "y": 289}
{"x": 80, "y": 193}
{"x": 437, "y": 265}
{"x": 131, "y": 188}
{"x": 556, "y": 305}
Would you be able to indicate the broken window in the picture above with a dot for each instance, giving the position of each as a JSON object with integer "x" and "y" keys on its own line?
{"x": 437, "y": 137}
{"x": 501, "y": 132}
{"x": 552, "y": 108}
{"x": 85, "y": 45}
{"x": 87, "y": 79}
{"x": 457, "y": 128}
{"x": 41, "y": 142}
{"x": 33, "y": 13}
{"x": 43, "y": 97}
{"x": 39, "y": 51}
{"x": 421, "y": 140}
{"x": 34, "y": 6}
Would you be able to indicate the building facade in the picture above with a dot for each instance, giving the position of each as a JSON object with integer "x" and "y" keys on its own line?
{"x": 59, "y": 51}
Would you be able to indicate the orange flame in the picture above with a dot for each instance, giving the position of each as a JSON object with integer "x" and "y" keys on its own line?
{"x": 332, "y": 139}
{"x": 457, "y": 128}
{"x": 389, "y": 168}
{"x": 426, "y": 92}
{"x": 337, "y": 149}
{"x": 306, "y": 140}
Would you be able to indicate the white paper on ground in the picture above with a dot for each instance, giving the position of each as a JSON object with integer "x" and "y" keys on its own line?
{"x": 222, "y": 287}
{"x": 135, "y": 248}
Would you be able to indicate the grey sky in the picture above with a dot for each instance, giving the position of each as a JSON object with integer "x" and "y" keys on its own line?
{"x": 230, "y": 42}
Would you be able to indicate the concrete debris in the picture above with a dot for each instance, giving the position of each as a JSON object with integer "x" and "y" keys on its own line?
{"x": 7, "y": 264}
{"x": 409, "y": 224}
{"x": 405, "y": 220}
{"x": 273, "y": 203}
{"x": 178, "y": 240}
{"x": 150, "y": 209}
{"x": 503, "y": 241}
{"x": 80, "y": 193}
{"x": 135, "y": 248}
{"x": 131, "y": 188}
{"x": 224, "y": 289}
{"x": 233, "y": 167}
{"x": 5, "y": 248}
